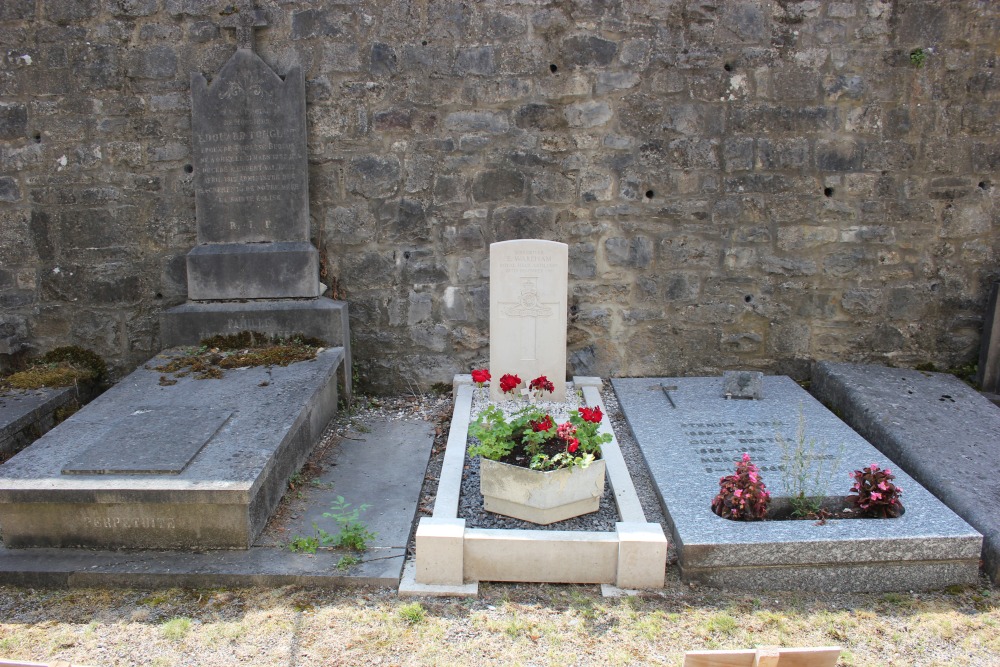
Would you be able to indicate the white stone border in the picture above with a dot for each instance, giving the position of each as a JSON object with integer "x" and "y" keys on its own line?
{"x": 451, "y": 559}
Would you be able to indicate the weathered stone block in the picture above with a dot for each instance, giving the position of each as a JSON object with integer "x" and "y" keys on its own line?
{"x": 497, "y": 185}
{"x": 9, "y": 189}
{"x": 584, "y": 50}
{"x": 13, "y": 120}
{"x": 65, "y": 11}
{"x": 155, "y": 62}
{"x": 253, "y": 271}
{"x": 374, "y": 175}
{"x": 636, "y": 252}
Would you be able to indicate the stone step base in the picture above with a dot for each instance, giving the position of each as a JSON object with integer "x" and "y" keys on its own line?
{"x": 253, "y": 270}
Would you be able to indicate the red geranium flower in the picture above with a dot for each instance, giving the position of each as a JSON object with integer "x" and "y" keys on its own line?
{"x": 542, "y": 383}
{"x": 480, "y": 375}
{"x": 542, "y": 424}
{"x": 591, "y": 414}
{"x": 509, "y": 383}
{"x": 573, "y": 445}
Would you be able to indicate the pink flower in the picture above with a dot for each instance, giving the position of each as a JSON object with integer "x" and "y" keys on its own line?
{"x": 876, "y": 495}
{"x": 873, "y": 467}
{"x": 738, "y": 492}
{"x": 882, "y": 485}
{"x": 565, "y": 431}
{"x": 753, "y": 477}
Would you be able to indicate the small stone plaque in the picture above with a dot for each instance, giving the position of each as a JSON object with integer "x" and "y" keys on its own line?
{"x": 528, "y": 300}
{"x": 154, "y": 441}
{"x": 743, "y": 384}
{"x": 251, "y": 175}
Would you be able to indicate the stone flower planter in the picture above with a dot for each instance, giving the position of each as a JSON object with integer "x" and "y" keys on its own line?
{"x": 541, "y": 497}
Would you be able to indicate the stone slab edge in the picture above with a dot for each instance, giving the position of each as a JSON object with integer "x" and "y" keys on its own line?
{"x": 56, "y": 399}
{"x": 849, "y": 405}
{"x": 258, "y": 566}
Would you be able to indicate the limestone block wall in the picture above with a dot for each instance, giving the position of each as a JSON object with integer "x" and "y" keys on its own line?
{"x": 742, "y": 183}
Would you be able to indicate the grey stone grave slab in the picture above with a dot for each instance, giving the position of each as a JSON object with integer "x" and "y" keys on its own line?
{"x": 221, "y": 499}
{"x": 354, "y": 469}
{"x": 690, "y": 446}
{"x": 134, "y": 444}
{"x": 934, "y": 426}
{"x": 27, "y": 414}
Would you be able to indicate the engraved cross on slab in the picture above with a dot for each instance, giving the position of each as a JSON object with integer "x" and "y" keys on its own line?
{"x": 528, "y": 308}
{"x": 243, "y": 19}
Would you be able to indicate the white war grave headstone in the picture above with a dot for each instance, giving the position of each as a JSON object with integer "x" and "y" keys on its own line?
{"x": 528, "y": 299}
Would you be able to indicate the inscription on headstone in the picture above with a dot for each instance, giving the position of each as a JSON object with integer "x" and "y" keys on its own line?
{"x": 251, "y": 173}
{"x": 528, "y": 299}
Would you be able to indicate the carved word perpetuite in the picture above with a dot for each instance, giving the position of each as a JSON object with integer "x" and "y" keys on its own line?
{"x": 130, "y": 523}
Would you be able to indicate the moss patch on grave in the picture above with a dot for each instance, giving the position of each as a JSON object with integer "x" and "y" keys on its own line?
{"x": 61, "y": 367}
{"x": 242, "y": 350}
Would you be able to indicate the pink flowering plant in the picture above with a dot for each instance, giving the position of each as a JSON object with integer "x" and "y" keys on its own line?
{"x": 742, "y": 496}
{"x": 531, "y": 438}
{"x": 874, "y": 493}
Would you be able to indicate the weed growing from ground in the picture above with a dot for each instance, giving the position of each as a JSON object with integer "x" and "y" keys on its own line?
{"x": 176, "y": 628}
{"x": 412, "y": 613}
{"x": 353, "y": 534}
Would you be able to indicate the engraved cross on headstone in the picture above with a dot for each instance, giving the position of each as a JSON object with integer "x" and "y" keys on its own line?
{"x": 528, "y": 308}
{"x": 243, "y": 19}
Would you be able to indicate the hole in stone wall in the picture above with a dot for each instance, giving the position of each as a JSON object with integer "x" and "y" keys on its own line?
{"x": 650, "y": 194}
{"x": 553, "y": 68}
{"x": 423, "y": 42}
{"x": 748, "y": 298}
{"x": 188, "y": 169}
{"x": 159, "y": 295}
{"x": 985, "y": 185}
{"x": 728, "y": 67}
{"x": 827, "y": 192}
{"x": 406, "y": 255}
{"x": 38, "y": 137}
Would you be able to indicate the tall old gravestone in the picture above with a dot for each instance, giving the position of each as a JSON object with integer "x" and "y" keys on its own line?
{"x": 528, "y": 298}
{"x": 254, "y": 267}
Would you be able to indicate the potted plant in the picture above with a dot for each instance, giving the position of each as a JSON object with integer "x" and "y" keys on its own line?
{"x": 532, "y": 468}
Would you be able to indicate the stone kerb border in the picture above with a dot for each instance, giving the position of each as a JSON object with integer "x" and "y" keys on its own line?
{"x": 451, "y": 559}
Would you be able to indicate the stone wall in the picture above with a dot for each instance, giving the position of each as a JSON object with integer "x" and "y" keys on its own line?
{"x": 742, "y": 183}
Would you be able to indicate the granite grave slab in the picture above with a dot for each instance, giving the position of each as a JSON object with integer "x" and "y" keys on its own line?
{"x": 221, "y": 498}
{"x": 690, "y": 444}
{"x": 528, "y": 300}
{"x": 934, "y": 426}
